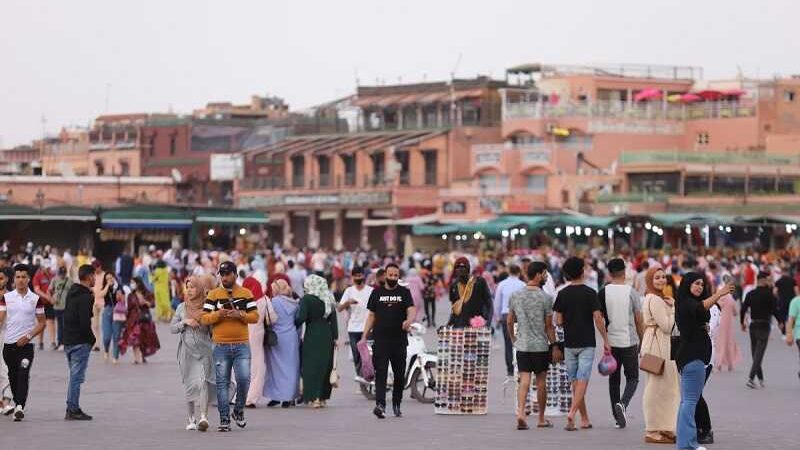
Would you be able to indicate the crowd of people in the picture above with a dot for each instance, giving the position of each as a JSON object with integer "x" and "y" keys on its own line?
{"x": 263, "y": 326}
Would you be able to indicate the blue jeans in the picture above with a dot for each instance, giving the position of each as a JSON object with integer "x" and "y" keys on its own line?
{"x": 107, "y": 324}
{"x": 693, "y": 377}
{"x": 579, "y": 362}
{"x": 59, "y": 326}
{"x": 227, "y": 357}
{"x": 77, "y": 359}
{"x": 116, "y": 332}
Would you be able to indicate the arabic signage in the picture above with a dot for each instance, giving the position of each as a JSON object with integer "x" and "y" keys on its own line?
{"x": 348, "y": 199}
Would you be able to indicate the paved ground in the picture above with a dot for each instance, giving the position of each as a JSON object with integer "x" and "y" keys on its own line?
{"x": 142, "y": 407}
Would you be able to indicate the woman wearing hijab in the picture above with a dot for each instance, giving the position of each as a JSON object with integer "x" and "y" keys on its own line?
{"x": 694, "y": 354}
{"x": 469, "y": 295}
{"x": 727, "y": 353}
{"x": 258, "y": 367}
{"x": 318, "y": 314}
{"x": 415, "y": 284}
{"x": 195, "y": 359}
{"x": 283, "y": 359}
{"x": 661, "y": 392}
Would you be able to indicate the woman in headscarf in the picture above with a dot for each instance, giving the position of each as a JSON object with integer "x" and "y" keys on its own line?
{"x": 318, "y": 314}
{"x": 661, "y": 392}
{"x": 283, "y": 359}
{"x": 415, "y": 284}
{"x": 694, "y": 353}
{"x": 727, "y": 353}
{"x": 195, "y": 359}
{"x": 258, "y": 367}
{"x": 469, "y": 295}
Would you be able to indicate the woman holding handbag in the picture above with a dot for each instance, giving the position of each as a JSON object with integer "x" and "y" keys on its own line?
{"x": 258, "y": 367}
{"x": 661, "y": 391}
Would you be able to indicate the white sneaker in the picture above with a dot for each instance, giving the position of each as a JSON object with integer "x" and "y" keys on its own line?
{"x": 19, "y": 413}
{"x": 359, "y": 379}
{"x": 7, "y": 410}
{"x": 191, "y": 426}
{"x": 509, "y": 379}
{"x": 700, "y": 448}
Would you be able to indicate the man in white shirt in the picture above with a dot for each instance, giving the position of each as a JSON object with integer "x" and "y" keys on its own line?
{"x": 354, "y": 301}
{"x": 501, "y": 297}
{"x": 23, "y": 313}
{"x": 297, "y": 275}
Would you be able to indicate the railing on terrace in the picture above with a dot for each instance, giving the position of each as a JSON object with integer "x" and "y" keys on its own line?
{"x": 634, "y": 197}
{"x": 264, "y": 183}
{"x": 655, "y": 110}
{"x": 678, "y": 156}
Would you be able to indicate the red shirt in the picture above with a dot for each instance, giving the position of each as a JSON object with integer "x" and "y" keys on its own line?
{"x": 41, "y": 281}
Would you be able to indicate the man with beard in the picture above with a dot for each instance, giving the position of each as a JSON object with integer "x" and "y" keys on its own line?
{"x": 391, "y": 312}
{"x": 469, "y": 295}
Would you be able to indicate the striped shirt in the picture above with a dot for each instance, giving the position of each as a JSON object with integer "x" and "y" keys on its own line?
{"x": 229, "y": 330}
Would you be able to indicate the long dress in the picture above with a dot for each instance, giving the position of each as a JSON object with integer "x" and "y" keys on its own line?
{"x": 317, "y": 351}
{"x": 283, "y": 360}
{"x": 661, "y": 392}
{"x": 727, "y": 353}
{"x": 195, "y": 359}
{"x": 161, "y": 288}
{"x": 140, "y": 331}
{"x": 258, "y": 368}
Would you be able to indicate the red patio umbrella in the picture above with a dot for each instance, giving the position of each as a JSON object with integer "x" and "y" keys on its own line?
{"x": 710, "y": 94}
{"x": 690, "y": 98}
{"x": 647, "y": 94}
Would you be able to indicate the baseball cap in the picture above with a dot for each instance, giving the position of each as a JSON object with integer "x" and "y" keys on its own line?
{"x": 227, "y": 267}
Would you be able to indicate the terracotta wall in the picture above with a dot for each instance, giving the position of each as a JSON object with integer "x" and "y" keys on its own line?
{"x": 111, "y": 161}
{"x": 78, "y": 192}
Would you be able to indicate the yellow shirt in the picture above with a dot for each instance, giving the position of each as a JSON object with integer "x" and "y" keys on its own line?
{"x": 229, "y": 330}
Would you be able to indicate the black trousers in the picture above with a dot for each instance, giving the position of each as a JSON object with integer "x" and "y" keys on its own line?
{"x": 759, "y": 338}
{"x": 702, "y": 418}
{"x": 19, "y": 361}
{"x": 385, "y": 352}
{"x": 627, "y": 359}
{"x": 430, "y": 311}
{"x": 509, "y": 346}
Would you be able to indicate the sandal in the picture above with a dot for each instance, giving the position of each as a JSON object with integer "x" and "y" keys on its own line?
{"x": 546, "y": 424}
{"x": 661, "y": 439}
{"x": 586, "y": 427}
{"x": 570, "y": 426}
{"x": 521, "y": 424}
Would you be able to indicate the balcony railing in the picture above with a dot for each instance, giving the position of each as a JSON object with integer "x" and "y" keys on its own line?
{"x": 298, "y": 181}
{"x": 675, "y": 156}
{"x": 635, "y": 111}
{"x": 350, "y": 179}
{"x": 324, "y": 180}
{"x": 430, "y": 178}
{"x": 264, "y": 183}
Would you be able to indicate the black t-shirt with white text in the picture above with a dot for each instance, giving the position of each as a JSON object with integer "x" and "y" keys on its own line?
{"x": 389, "y": 307}
{"x": 577, "y": 303}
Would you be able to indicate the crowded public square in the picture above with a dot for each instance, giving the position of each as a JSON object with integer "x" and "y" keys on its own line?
{"x": 374, "y": 225}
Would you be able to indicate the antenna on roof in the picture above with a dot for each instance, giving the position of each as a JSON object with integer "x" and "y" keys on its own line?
{"x": 455, "y": 68}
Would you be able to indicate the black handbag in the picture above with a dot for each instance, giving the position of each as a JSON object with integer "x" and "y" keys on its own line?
{"x": 270, "y": 337}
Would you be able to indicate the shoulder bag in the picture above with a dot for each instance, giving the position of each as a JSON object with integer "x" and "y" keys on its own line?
{"x": 674, "y": 341}
{"x": 334, "y": 377}
{"x": 650, "y": 363}
{"x": 270, "y": 337}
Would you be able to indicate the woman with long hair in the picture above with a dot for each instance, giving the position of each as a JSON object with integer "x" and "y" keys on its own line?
{"x": 195, "y": 359}
{"x": 318, "y": 313}
{"x": 140, "y": 331}
{"x": 661, "y": 392}
{"x": 694, "y": 354}
{"x": 283, "y": 359}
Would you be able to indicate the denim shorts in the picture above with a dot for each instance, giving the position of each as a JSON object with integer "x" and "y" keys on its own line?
{"x": 579, "y": 362}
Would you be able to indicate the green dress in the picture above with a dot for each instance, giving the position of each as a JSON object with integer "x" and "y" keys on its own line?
{"x": 317, "y": 349}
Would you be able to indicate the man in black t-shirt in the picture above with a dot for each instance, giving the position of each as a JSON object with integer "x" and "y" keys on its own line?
{"x": 785, "y": 290}
{"x": 391, "y": 310}
{"x": 578, "y": 311}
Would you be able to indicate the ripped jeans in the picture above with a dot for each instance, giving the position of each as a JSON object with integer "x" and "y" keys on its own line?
{"x": 229, "y": 357}
{"x": 19, "y": 361}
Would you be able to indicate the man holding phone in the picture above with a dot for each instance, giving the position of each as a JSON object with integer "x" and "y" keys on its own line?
{"x": 228, "y": 309}
{"x": 354, "y": 301}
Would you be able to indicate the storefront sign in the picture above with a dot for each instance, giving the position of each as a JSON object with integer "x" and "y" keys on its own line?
{"x": 493, "y": 205}
{"x": 454, "y": 207}
{"x": 633, "y": 127}
{"x": 354, "y": 198}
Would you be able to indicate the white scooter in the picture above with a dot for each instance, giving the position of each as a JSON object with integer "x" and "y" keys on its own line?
{"x": 420, "y": 369}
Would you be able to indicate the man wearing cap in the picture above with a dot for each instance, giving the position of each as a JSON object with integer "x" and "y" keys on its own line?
{"x": 621, "y": 308}
{"x": 762, "y": 305}
{"x": 469, "y": 295}
{"x": 228, "y": 309}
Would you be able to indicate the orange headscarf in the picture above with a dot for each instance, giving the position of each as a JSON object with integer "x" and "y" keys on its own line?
{"x": 648, "y": 279}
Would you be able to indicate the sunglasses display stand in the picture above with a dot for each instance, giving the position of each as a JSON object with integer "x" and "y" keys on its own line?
{"x": 559, "y": 389}
{"x": 463, "y": 372}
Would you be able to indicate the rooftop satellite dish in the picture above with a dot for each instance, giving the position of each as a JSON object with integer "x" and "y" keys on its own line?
{"x": 176, "y": 175}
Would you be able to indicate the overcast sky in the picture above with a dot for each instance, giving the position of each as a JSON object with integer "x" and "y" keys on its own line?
{"x": 57, "y": 56}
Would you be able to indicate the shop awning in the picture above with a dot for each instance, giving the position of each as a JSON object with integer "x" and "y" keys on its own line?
{"x": 231, "y": 217}
{"x": 65, "y": 213}
{"x": 429, "y": 230}
{"x": 146, "y": 217}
